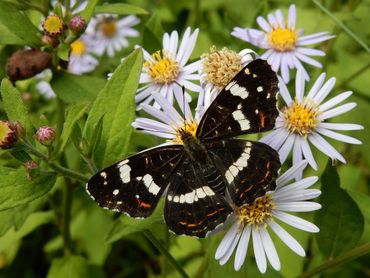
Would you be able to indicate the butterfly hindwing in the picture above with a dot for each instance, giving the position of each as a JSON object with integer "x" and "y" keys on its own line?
{"x": 192, "y": 207}
{"x": 134, "y": 185}
{"x": 246, "y": 105}
{"x": 249, "y": 168}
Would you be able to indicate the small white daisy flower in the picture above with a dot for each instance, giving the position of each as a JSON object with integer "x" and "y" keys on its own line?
{"x": 218, "y": 67}
{"x": 304, "y": 120}
{"x": 165, "y": 71}
{"x": 108, "y": 34}
{"x": 80, "y": 60}
{"x": 43, "y": 84}
{"x": 76, "y": 6}
{"x": 285, "y": 43}
{"x": 170, "y": 121}
{"x": 256, "y": 219}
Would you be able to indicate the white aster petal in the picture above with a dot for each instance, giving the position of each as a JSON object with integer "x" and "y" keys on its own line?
{"x": 297, "y": 206}
{"x": 241, "y": 251}
{"x": 286, "y": 147}
{"x": 338, "y": 110}
{"x": 296, "y": 222}
{"x": 324, "y": 91}
{"x": 227, "y": 241}
{"x": 316, "y": 86}
{"x": 290, "y": 174}
{"x": 335, "y": 100}
{"x": 292, "y": 16}
{"x": 269, "y": 248}
{"x": 322, "y": 145}
{"x": 338, "y": 136}
{"x": 259, "y": 252}
{"x": 287, "y": 238}
{"x": 340, "y": 126}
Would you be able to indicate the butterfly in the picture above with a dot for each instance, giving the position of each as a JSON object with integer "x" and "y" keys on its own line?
{"x": 208, "y": 172}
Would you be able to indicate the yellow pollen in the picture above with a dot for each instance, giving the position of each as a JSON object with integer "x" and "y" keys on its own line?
{"x": 108, "y": 27}
{"x": 257, "y": 212}
{"x": 186, "y": 132}
{"x": 53, "y": 25}
{"x": 283, "y": 39}
{"x": 78, "y": 47}
{"x": 220, "y": 66}
{"x": 301, "y": 118}
{"x": 162, "y": 69}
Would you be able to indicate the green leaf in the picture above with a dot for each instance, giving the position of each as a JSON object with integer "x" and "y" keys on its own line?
{"x": 33, "y": 221}
{"x": 68, "y": 267}
{"x": 88, "y": 11}
{"x": 63, "y": 51}
{"x": 127, "y": 225}
{"x": 119, "y": 8}
{"x": 340, "y": 220}
{"x": 116, "y": 103}
{"x": 7, "y": 37}
{"x": 17, "y": 190}
{"x": 13, "y": 104}
{"x": 18, "y": 24}
{"x": 75, "y": 88}
{"x": 153, "y": 32}
{"x": 74, "y": 114}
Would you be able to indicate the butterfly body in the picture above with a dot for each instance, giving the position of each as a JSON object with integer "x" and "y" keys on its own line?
{"x": 205, "y": 171}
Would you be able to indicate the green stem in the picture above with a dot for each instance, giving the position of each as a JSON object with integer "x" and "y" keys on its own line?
{"x": 346, "y": 257}
{"x": 67, "y": 206}
{"x": 341, "y": 25}
{"x": 58, "y": 168}
{"x": 165, "y": 252}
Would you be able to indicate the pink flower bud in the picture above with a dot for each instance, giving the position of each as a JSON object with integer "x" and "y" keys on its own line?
{"x": 45, "y": 135}
{"x": 77, "y": 24}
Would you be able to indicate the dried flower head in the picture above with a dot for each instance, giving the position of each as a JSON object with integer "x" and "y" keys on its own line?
{"x": 8, "y": 135}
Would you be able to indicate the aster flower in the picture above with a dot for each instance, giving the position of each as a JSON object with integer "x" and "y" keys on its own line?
{"x": 254, "y": 221}
{"x": 108, "y": 34}
{"x": 43, "y": 85}
{"x": 165, "y": 71}
{"x": 218, "y": 67}
{"x": 285, "y": 43}
{"x": 81, "y": 61}
{"x": 170, "y": 121}
{"x": 305, "y": 119}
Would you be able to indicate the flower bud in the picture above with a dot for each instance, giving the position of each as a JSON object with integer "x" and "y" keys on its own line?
{"x": 77, "y": 24}
{"x": 8, "y": 135}
{"x": 50, "y": 41}
{"x": 19, "y": 129}
{"x": 53, "y": 25}
{"x": 30, "y": 168}
{"x": 45, "y": 135}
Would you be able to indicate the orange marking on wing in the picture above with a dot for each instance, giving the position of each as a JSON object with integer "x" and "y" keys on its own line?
{"x": 268, "y": 169}
{"x": 262, "y": 117}
{"x": 216, "y": 211}
{"x": 144, "y": 205}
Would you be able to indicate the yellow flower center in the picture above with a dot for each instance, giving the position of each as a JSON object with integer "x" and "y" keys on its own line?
{"x": 163, "y": 69}
{"x": 53, "y": 25}
{"x": 186, "y": 133}
{"x": 78, "y": 47}
{"x": 220, "y": 66}
{"x": 301, "y": 118}
{"x": 283, "y": 39}
{"x": 257, "y": 212}
{"x": 108, "y": 27}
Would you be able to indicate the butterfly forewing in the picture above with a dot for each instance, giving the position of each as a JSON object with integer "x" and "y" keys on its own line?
{"x": 249, "y": 168}
{"x": 192, "y": 207}
{"x": 134, "y": 185}
{"x": 246, "y": 105}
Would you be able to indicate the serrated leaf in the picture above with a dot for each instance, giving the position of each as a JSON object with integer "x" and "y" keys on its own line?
{"x": 126, "y": 225}
{"x": 119, "y": 8}
{"x": 116, "y": 103}
{"x": 17, "y": 190}
{"x": 74, "y": 114}
{"x": 13, "y": 104}
{"x": 18, "y": 24}
{"x": 68, "y": 267}
{"x": 88, "y": 11}
{"x": 75, "y": 88}
{"x": 340, "y": 220}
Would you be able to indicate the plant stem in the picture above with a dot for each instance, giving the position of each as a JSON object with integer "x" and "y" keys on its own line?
{"x": 67, "y": 206}
{"x": 165, "y": 252}
{"x": 341, "y": 25}
{"x": 346, "y": 257}
{"x": 58, "y": 168}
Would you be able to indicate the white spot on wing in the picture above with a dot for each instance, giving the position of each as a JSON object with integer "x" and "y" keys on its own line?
{"x": 124, "y": 171}
{"x": 115, "y": 192}
{"x": 123, "y": 162}
{"x": 240, "y": 118}
{"x": 237, "y": 90}
{"x": 150, "y": 184}
{"x": 103, "y": 175}
{"x": 259, "y": 89}
{"x": 239, "y": 164}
